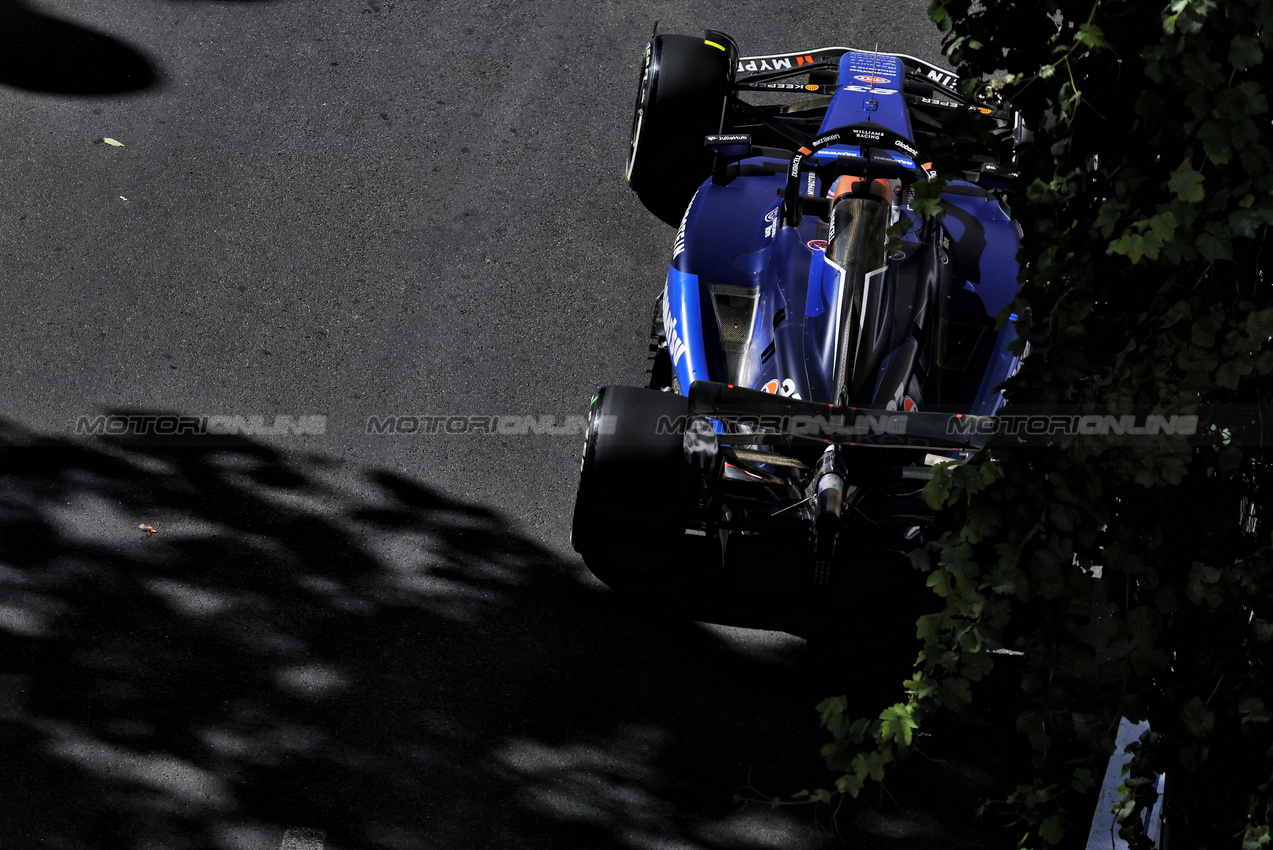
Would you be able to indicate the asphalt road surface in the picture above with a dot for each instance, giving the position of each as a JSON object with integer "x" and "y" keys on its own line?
{"x": 339, "y": 639}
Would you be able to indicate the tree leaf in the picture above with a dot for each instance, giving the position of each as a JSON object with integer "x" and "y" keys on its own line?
{"x": 1091, "y": 35}
{"x": 1187, "y": 183}
{"x": 1211, "y": 248}
{"x": 1051, "y": 829}
{"x": 1199, "y": 721}
{"x": 1245, "y": 52}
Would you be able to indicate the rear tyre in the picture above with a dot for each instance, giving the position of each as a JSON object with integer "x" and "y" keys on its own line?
{"x": 634, "y": 493}
{"x": 680, "y": 99}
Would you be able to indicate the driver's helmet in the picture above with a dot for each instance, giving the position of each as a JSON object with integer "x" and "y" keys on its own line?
{"x": 887, "y": 190}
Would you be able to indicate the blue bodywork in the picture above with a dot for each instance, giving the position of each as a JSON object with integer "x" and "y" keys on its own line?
{"x": 752, "y": 299}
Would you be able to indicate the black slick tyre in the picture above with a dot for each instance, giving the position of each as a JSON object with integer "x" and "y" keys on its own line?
{"x": 634, "y": 492}
{"x": 681, "y": 98}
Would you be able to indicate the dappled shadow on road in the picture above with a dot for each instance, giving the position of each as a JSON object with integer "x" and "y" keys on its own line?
{"x": 45, "y": 54}
{"x": 305, "y": 645}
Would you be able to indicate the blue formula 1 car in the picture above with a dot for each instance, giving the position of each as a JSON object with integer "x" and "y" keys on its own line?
{"x": 817, "y": 346}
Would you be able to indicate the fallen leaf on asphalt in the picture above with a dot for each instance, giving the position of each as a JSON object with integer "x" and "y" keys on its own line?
{"x": 148, "y": 529}
{"x": 122, "y": 198}
{"x": 113, "y": 142}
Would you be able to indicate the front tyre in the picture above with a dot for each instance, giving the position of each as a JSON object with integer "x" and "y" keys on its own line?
{"x": 681, "y": 98}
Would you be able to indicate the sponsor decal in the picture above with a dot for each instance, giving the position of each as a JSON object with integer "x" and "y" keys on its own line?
{"x": 908, "y": 405}
{"x": 786, "y": 389}
{"x": 812, "y": 87}
{"x": 869, "y": 90}
{"x": 902, "y": 146}
{"x": 732, "y": 137}
{"x": 776, "y": 64}
{"x": 675, "y": 345}
{"x": 942, "y": 79}
{"x": 782, "y": 87}
{"x": 771, "y": 227}
{"x": 811, "y": 187}
{"x": 848, "y": 153}
{"x": 817, "y": 244}
{"x": 869, "y": 78}
{"x": 678, "y": 244}
{"x": 804, "y": 60}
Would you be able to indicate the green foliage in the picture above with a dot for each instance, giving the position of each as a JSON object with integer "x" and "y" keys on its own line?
{"x": 1130, "y": 573}
{"x": 926, "y": 202}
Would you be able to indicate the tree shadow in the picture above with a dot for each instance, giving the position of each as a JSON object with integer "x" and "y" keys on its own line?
{"x": 49, "y": 55}
{"x": 307, "y": 645}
